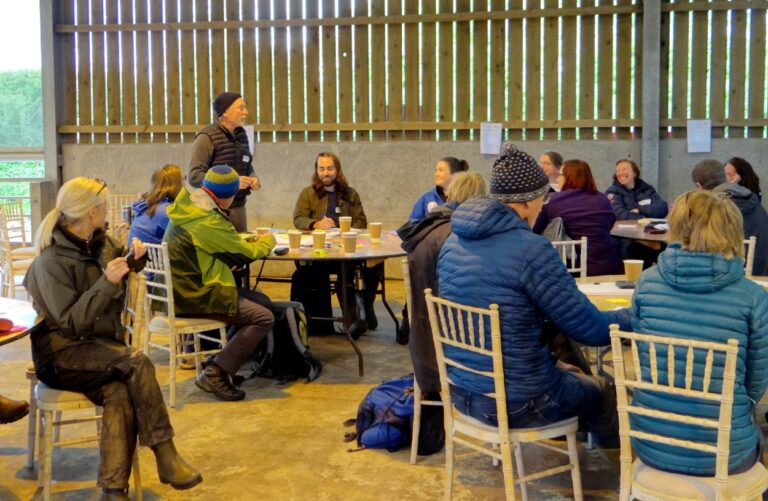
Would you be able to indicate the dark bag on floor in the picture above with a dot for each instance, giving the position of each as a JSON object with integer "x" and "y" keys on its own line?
{"x": 285, "y": 354}
{"x": 384, "y": 417}
{"x": 311, "y": 287}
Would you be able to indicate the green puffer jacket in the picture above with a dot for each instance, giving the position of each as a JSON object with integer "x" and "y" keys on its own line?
{"x": 203, "y": 247}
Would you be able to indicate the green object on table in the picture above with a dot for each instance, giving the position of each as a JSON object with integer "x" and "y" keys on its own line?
{"x": 319, "y": 252}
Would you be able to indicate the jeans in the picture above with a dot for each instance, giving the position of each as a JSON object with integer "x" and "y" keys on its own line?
{"x": 592, "y": 399}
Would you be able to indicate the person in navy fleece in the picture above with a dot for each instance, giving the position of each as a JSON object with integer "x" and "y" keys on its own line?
{"x": 631, "y": 197}
{"x": 493, "y": 257}
{"x": 150, "y": 219}
{"x": 586, "y": 213}
{"x": 444, "y": 171}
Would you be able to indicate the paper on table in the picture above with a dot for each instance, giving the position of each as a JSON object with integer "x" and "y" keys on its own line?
{"x": 761, "y": 282}
{"x": 627, "y": 225}
{"x": 490, "y": 138}
{"x": 699, "y": 136}
{"x": 603, "y": 289}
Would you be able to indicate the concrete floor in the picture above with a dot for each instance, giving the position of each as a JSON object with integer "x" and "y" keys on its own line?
{"x": 284, "y": 442}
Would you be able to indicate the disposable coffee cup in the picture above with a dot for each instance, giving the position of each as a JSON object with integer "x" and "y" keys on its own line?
{"x": 263, "y": 231}
{"x": 294, "y": 239}
{"x": 375, "y": 229}
{"x": 350, "y": 241}
{"x": 318, "y": 239}
{"x": 633, "y": 268}
{"x": 345, "y": 224}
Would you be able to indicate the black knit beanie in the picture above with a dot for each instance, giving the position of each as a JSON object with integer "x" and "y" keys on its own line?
{"x": 223, "y": 101}
{"x": 517, "y": 177}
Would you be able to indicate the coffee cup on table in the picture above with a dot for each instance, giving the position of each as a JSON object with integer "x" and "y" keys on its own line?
{"x": 633, "y": 268}
{"x": 294, "y": 239}
{"x": 260, "y": 232}
{"x": 318, "y": 239}
{"x": 350, "y": 242}
{"x": 345, "y": 224}
{"x": 375, "y": 230}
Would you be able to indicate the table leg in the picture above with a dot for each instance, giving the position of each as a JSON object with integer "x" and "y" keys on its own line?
{"x": 346, "y": 310}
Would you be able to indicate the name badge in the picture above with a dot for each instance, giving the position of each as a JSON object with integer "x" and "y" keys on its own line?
{"x": 647, "y": 201}
{"x": 338, "y": 210}
{"x": 246, "y": 158}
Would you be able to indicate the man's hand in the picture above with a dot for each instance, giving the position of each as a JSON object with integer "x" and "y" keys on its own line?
{"x": 268, "y": 238}
{"x": 116, "y": 270}
{"x": 252, "y": 183}
{"x": 325, "y": 224}
{"x": 636, "y": 211}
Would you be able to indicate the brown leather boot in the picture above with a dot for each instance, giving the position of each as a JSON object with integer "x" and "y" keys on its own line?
{"x": 172, "y": 469}
{"x": 12, "y": 410}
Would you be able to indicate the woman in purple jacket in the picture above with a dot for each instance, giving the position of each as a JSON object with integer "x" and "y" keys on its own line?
{"x": 586, "y": 213}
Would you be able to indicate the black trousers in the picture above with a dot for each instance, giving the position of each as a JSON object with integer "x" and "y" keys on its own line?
{"x": 123, "y": 382}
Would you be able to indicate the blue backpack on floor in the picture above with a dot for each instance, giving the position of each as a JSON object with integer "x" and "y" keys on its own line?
{"x": 384, "y": 417}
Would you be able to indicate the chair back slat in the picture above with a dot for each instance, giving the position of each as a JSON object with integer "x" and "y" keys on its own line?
{"x": 708, "y": 371}
{"x": 671, "y": 367}
{"x": 695, "y": 350}
{"x": 654, "y": 368}
{"x": 460, "y": 322}
{"x": 749, "y": 262}
{"x": 575, "y": 259}
{"x": 635, "y": 360}
{"x": 689, "y": 368}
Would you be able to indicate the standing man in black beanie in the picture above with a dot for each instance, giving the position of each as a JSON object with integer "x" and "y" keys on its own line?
{"x": 225, "y": 142}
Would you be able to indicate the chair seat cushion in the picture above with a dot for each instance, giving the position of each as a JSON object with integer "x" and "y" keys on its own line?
{"x": 47, "y": 394}
{"x": 160, "y": 323}
{"x": 666, "y": 485}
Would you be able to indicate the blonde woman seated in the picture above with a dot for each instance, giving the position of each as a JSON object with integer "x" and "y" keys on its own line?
{"x": 698, "y": 291}
{"x": 77, "y": 285}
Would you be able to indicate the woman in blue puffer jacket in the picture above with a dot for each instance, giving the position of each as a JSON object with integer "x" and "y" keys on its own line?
{"x": 698, "y": 291}
{"x": 150, "y": 218}
{"x": 631, "y": 197}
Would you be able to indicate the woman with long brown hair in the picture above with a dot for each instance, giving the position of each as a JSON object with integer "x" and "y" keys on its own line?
{"x": 150, "y": 219}
{"x": 586, "y": 213}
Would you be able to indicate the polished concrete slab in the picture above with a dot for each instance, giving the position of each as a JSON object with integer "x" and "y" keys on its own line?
{"x": 284, "y": 441}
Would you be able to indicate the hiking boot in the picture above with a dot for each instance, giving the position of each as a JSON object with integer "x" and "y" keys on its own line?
{"x": 12, "y": 410}
{"x": 114, "y": 494}
{"x": 214, "y": 379}
{"x": 172, "y": 469}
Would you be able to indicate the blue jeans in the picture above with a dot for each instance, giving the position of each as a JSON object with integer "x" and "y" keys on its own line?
{"x": 592, "y": 399}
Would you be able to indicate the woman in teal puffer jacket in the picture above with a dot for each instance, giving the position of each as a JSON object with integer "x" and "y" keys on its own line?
{"x": 698, "y": 291}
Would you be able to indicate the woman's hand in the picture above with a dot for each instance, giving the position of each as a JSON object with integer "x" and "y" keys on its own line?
{"x": 116, "y": 269}
{"x": 138, "y": 247}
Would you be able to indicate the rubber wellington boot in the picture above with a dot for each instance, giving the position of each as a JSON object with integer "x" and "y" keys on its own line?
{"x": 172, "y": 469}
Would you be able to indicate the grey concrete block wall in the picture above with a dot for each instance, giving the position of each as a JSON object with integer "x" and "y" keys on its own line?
{"x": 389, "y": 176}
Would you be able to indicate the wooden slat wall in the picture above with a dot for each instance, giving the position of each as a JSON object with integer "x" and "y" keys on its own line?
{"x": 147, "y": 70}
{"x": 362, "y": 75}
{"x": 757, "y": 51}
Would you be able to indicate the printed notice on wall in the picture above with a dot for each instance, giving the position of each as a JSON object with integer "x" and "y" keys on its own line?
{"x": 250, "y": 132}
{"x": 490, "y": 138}
{"x": 699, "y": 136}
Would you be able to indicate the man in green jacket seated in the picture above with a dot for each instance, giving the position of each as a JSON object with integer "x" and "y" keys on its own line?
{"x": 204, "y": 248}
